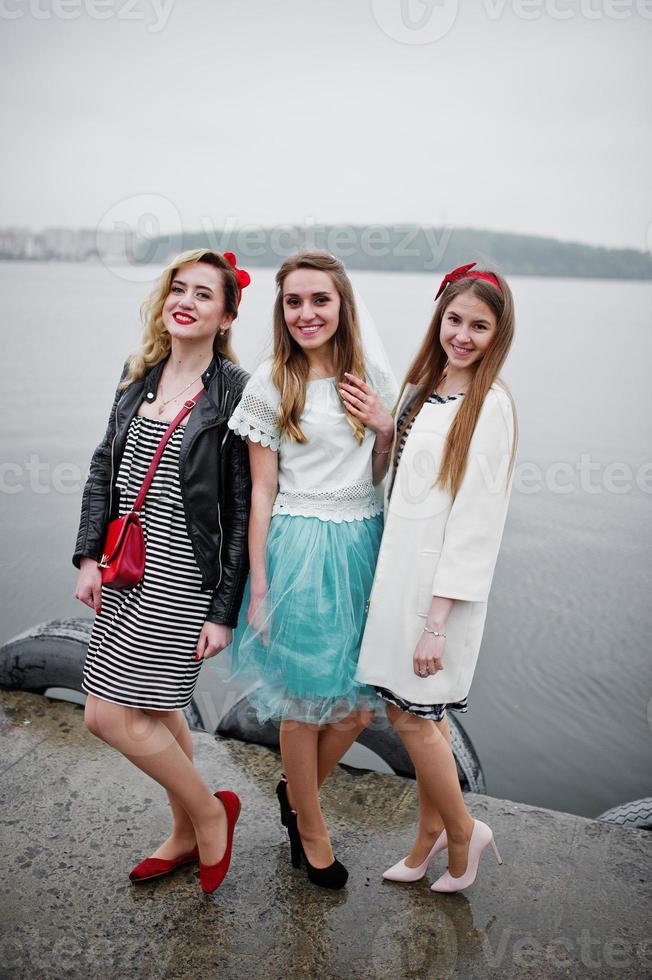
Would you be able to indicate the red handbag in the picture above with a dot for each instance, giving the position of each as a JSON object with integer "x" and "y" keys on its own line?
{"x": 123, "y": 557}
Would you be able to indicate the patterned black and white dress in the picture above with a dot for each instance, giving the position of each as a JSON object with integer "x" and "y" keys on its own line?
{"x": 142, "y": 647}
{"x": 436, "y": 712}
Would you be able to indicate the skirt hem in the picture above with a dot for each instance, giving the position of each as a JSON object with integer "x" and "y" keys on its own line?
{"x": 432, "y": 712}
{"x": 124, "y": 704}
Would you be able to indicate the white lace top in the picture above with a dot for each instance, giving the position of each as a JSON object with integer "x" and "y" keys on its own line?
{"x": 329, "y": 476}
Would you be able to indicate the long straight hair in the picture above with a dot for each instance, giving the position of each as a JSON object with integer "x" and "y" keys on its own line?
{"x": 429, "y": 367}
{"x": 156, "y": 342}
{"x": 290, "y": 367}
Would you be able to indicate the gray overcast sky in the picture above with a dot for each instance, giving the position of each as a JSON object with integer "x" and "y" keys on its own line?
{"x": 270, "y": 111}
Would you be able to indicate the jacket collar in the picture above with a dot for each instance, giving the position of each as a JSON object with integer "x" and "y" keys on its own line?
{"x": 409, "y": 393}
{"x": 153, "y": 376}
{"x": 210, "y": 379}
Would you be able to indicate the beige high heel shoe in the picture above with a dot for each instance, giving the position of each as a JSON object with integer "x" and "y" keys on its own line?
{"x": 481, "y": 836}
{"x": 401, "y": 872}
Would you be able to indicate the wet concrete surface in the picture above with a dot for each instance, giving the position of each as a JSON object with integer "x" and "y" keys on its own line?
{"x": 572, "y": 898}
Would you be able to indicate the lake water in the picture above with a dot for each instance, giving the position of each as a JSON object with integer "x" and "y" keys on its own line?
{"x": 561, "y": 704}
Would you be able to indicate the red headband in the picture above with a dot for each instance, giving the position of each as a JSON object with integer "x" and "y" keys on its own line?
{"x": 464, "y": 273}
{"x": 243, "y": 277}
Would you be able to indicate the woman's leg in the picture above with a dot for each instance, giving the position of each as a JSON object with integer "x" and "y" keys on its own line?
{"x": 182, "y": 839}
{"x": 430, "y": 820}
{"x": 335, "y": 740}
{"x": 437, "y": 777}
{"x": 299, "y": 750}
{"x": 151, "y": 746}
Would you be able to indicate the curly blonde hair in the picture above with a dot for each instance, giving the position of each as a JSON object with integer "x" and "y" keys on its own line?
{"x": 155, "y": 341}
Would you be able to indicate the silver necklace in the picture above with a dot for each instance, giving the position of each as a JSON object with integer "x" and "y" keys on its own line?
{"x": 318, "y": 377}
{"x": 178, "y": 395}
{"x": 442, "y": 383}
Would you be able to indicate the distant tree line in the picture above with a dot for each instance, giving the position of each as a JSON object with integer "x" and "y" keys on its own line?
{"x": 410, "y": 248}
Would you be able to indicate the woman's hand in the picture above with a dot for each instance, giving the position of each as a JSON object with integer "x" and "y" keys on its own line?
{"x": 428, "y": 655}
{"x": 363, "y": 403}
{"x": 257, "y": 612}
{"x": 89, "y": 584}
{"x": 214, "y": 637}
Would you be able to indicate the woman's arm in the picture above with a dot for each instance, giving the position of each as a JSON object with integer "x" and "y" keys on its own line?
{"x": 264, "y": 479}
{"x": 473, "y": 530}
{"x": 233, "y": 516}
{"x": 216, "y": 633}
{"x": 365, "y": 404}
{"x": 95, "y": 497}
{"x": 381, "y": 455}
{"x": 429, "y": 652}
{"x": 475, "y": 523}
{"x": 94, "y": 516}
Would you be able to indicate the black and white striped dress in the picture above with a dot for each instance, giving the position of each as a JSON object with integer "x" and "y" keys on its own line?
{"x": 142, "y": 647}
{"x": 435, "y": 712}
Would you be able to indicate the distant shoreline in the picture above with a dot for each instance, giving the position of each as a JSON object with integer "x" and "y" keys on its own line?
{"x": 111, "y": 263}
{"x": 378, "y": 248}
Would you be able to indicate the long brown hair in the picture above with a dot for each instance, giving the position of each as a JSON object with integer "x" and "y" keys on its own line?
{"x": 156, "y": 341}
{"x": 290, "y": 368}
{"x": 429, "y": 367}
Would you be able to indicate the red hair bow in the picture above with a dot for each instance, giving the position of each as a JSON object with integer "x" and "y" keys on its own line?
{"x": 243, "y": 277}
{"x": 464, "y": 272}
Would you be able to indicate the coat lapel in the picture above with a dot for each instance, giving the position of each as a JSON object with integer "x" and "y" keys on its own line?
{"x": 409, "y": 392}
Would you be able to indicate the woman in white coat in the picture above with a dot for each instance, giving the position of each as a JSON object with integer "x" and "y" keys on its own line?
{"x": 446, "y": 501}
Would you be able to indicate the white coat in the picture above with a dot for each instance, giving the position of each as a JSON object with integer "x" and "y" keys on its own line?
{"x": 436, "y": 545}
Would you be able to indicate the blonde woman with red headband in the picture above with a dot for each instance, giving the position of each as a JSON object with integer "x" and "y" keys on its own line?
{"x": 149, "y": 639}
{"x": 446, "y": 501}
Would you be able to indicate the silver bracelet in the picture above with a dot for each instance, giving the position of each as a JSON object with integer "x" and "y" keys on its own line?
{"x": 433, "y": 632}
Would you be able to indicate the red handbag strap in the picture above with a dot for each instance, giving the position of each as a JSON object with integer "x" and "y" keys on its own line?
{"x": 149, "y": 476}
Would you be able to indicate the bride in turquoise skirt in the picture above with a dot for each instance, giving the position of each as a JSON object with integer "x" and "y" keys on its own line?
{"x": 318, "y": 423}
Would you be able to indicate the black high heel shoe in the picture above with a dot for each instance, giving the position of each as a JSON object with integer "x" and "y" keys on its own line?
{"x": 282, "y": 794}
{"x": 334, "y": 876}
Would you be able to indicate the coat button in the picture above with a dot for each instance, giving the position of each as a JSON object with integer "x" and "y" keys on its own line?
{"x": 150, "y": 394}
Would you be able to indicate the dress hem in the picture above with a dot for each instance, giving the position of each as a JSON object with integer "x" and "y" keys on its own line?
{"x": 432, "y": 712}
{"x": 122, "y": 704}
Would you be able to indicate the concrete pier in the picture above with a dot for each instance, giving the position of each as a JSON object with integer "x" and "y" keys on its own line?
{"x": 572, "y": 898}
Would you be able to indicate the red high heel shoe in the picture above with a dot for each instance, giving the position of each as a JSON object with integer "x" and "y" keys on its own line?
{"x": 157, "y": 867}
{"x": 211, "y": 876}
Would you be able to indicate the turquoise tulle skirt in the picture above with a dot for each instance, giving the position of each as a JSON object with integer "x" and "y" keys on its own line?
{"x": 304, "y": 647}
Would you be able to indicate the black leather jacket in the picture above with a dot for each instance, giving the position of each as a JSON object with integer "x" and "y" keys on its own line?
{"x": 215, "y": 483}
